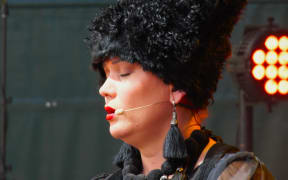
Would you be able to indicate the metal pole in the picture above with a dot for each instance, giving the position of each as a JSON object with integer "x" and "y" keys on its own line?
{"x": 4, "y": 14}
{"x": 245, "y": 128}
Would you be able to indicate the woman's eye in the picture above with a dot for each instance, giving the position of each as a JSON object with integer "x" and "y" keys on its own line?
{"x": 124, "y": 75}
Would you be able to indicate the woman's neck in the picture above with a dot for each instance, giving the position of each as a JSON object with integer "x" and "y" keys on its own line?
{"x": 152, "y": 161}
{"x": 152, "y": 158}
{"x": 151, "y": 150}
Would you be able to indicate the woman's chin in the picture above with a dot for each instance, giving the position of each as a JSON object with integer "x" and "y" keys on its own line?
{"x": 119, "y": 132}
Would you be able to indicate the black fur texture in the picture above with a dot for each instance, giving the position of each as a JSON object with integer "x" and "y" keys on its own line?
{"x": 183, "y": 42}
{"x": 128, "y": 156}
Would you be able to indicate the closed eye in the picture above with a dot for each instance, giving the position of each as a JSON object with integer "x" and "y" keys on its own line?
{"x": 124, "y": 75}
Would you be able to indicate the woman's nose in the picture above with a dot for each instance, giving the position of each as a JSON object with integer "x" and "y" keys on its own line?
{"x": 107, "y": 90}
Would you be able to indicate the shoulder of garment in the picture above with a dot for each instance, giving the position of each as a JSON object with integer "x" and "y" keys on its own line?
{"x": 240, "y": 165}
{"x": 246, "y": 169}
{"x": 225, "y": 162}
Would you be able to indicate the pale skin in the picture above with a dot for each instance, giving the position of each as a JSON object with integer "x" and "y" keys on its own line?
{"x": 128, "y": 86}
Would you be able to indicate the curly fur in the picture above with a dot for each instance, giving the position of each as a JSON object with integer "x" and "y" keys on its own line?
{"x": 183, "y": 42}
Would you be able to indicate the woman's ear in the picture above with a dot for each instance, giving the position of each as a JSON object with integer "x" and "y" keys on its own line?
{"x": 176, "y": 96}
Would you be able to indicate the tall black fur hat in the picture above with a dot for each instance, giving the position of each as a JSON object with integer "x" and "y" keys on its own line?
{"x": 183, "y": 42}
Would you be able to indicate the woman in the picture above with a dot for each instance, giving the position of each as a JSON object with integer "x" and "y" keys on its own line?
{"x": 160, "y": 61}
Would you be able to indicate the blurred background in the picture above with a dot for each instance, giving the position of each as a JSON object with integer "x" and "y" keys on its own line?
{"x": 56, "y": 121}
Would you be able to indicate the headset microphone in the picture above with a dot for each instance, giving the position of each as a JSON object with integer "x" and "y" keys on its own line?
{"x": 121, "y": 111}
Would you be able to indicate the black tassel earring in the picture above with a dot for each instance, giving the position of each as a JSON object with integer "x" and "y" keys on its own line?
{"x": 174, "y": 145}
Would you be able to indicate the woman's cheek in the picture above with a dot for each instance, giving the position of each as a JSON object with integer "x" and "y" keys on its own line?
{"x": 130, "y": 94}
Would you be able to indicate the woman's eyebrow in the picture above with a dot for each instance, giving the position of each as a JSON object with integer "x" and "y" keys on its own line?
{"x": 113, "y": 61}
{"x": 116, "y": 61}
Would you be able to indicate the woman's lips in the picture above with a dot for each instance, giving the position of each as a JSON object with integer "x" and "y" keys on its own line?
{"x": 109, "y": 117}
{"x": 110, "y": 112}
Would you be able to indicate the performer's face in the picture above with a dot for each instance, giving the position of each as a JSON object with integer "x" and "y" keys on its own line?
{"x": 129, "y": 86}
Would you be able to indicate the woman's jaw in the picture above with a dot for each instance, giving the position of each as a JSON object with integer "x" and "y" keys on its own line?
{"x": 140, "y": 128}
{"x": 148, "y": 135}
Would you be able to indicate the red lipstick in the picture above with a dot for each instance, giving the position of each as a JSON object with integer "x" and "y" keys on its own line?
{"x": 110, "y": 112}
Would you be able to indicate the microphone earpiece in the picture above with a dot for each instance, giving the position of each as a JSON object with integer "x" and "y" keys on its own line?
{"x": 119, "y": 111}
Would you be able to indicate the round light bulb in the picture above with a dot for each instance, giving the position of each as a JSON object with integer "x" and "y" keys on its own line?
{"x": 283, "y": 72}
{"x": 271, "y": 42}
{"x": 271, "y": 87}
{"x": 283, "y": 87}
{"x": 283, "y": 43}
{"x": 258, "y": 72}
{"x": 283, "y": 58}
{"x": 271, "y": 72}
{"x": 271, "y": 57}
{"x": 258, "y": 56}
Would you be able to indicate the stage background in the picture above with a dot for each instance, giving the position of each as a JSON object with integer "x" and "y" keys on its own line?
{"x": 57, "y": 128}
